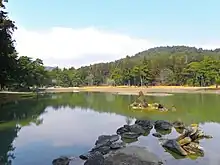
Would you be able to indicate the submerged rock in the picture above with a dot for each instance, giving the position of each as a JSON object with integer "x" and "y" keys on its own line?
{"x": 95, "y": 159}
{"x": 76, "y": 161}
{"x": 103, "y": 150}
{"x": 137, "y": 129}
{"x": 163, "y": 125}
{"x": 147, "y": 125}
{"x": 104, "y": 140}
{"x": 117, "y": 145}
{"x": 174, "y": 146}
{"x": 122, "y": 130}
{"x": 67, "y": 161}
{"x": 61, "y": 161}
{"x": 157, "y": 135}
{"x": 185, "y": 141}
{"x": 194, "y": 149}
{"x": 178, "y": 125}
{"x": 86, "y": 155}
{"x": 130, "y": 135}
{"x": 132, "y": 155}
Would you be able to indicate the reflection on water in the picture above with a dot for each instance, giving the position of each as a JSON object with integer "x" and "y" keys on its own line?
{"x": 69, "y": 124}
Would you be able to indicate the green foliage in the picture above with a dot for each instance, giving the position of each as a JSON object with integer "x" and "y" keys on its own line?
{"x": 177, "y": 65}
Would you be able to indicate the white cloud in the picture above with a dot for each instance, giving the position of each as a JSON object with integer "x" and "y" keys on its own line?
{"x": 66, "y": 47}
{"x": 76, "y": 47}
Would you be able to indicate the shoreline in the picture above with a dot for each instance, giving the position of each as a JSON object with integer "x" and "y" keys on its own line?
{"x": 125, "y": 90}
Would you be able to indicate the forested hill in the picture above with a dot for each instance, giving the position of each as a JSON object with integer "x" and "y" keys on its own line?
{"x": 176, "y": 65}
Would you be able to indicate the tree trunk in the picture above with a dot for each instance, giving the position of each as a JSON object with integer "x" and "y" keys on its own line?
{"x": 216, "y": 85}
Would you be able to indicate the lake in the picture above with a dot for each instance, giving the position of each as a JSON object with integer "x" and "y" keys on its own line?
{"x": 35, "y": 131}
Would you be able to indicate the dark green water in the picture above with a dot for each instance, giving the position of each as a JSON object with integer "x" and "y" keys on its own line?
{"x": 35, "y": 131}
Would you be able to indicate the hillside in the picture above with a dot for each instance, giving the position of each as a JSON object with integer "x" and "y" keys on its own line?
{"x": 160, "y": 65}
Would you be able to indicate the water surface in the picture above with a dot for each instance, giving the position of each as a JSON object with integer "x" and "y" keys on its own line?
{"x": 35, "y": 131}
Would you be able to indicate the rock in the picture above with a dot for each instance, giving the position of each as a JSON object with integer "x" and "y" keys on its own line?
{"x": 76, "y": 161}
{"x": 122, "y": 130}
{"x": 106, "y": 140}
{"x": 95, "y": 159}
{"x": 130, "y": 135}
{"x": 163, "y": 125}
{"x": 61, "y": 161}
{"x": 137, "y": 129}
{"x": 164, "y": 132}
{"x": 132, "y": 155}
{"x": 174, "y": 146}
{"x": 103, "y": 150}
{"x": 194, "y": 149}
{"x": 178, "y": 125}
{"x": 157, "y": 135}
{"x": 85, "y": 156}
{"x": 147, "y": 125}
{"x": 117, "y": 145}
{"x": 185, "y": 141}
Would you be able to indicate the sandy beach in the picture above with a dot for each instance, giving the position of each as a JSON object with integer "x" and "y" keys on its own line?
{"x": 155, "y": 90}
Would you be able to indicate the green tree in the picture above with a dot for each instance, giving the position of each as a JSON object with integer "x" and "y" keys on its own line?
{"x": 7, "y": 49}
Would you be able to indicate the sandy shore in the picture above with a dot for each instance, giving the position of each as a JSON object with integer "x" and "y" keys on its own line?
{"x": 155, "y": 90}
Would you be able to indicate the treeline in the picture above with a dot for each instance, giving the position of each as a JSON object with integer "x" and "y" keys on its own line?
{"x": 176, "y": 65}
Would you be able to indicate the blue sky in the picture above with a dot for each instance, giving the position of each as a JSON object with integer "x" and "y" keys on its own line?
{"x": 158, "y": 21}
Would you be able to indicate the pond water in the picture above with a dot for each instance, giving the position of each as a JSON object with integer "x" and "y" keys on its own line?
{"x": 35, "y": 131}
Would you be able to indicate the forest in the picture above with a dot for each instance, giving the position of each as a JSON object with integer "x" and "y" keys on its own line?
{"x": 170, "y": 65}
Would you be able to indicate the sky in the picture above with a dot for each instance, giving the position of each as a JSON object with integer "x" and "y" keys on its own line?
{"x": 82, "y": 32}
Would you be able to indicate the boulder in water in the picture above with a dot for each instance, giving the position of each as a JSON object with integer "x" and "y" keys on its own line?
{"x": 132, "y": 155}
{"x": 61, "y": 161}
{"x": 162, "y": 125}
{"x": 174, "y": 146}
{"x": 130, "y": 135}
{"x": 95, "y": 159}
{"x": 137, "y": 129}
{"x": 147, "y": 125}
{"x": 117, "y": 145}
{"x": 178, "y": 125}
{"x": 106, "y": 140}
{"x": 157, "y": 135}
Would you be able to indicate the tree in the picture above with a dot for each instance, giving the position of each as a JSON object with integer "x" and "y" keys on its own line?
{"x": 8, "y": 53}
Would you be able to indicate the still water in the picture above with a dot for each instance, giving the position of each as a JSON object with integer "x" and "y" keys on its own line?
{"x": 35, "y": 131}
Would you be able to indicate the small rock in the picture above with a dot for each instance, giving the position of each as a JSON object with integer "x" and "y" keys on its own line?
{"x": 130, "y": 135}
{"x": 61, "y": 161}
{"x": 105, "y": 140}
{"x": 163, "y": 125}
{"x": 147, "y": 125}
{"x": 137, "y": 129}
{"x": 174, "y": 146}
{"x": 157, "y": 135}
{"x": 85, "y": 156}
{"x": 132, "y": 155}
{"x": 95, "y": 159}
{"x": 185, "y": 141}
{"x": 103, "y": 150}
{"x": 76, "y": 161}
{"x": 117, "y": 145}
{"x": 178, "y": 125}
{"x": 122, "y": 130}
